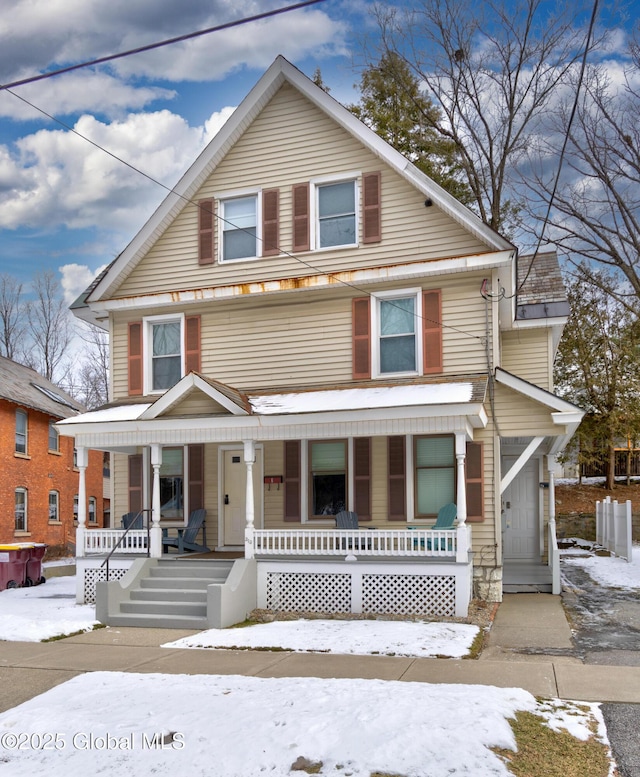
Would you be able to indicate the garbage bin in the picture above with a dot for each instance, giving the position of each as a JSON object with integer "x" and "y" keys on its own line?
{"x": 34, "y": 574}
{"x": 13, "y": 565}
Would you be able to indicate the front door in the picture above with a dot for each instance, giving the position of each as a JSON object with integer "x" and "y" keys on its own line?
{"x": 234, "y": 496}
{"x": 521, "y": 520}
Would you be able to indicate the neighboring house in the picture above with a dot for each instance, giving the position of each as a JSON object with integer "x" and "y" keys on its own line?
{"x": 39, "y": 487}
{"x": 309, "y": 324}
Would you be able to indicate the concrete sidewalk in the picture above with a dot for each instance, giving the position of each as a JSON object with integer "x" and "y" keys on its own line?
{"x": 523, "y": 622}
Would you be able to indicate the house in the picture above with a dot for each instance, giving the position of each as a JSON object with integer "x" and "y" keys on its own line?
{"x": 308, "y": 324}
{"x": 39, "y": 488}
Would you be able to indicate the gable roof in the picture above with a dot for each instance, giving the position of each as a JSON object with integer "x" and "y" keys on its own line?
{"x": 25, "y": 387}
{"x": 541, "y": 291}
{"x": 280, "y": 72}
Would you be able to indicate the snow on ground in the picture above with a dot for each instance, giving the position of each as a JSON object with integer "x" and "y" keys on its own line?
{"x": 609, "y": 571}
{"x": 390, "y": 638}
{"x": 43, "y": 611}
{"x": 239, "y": 726}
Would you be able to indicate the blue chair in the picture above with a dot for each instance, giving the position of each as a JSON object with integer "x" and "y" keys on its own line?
{"x": 132, "y": 521}
{"x": 445, "y": 520}
{"x": 187, "y": 537}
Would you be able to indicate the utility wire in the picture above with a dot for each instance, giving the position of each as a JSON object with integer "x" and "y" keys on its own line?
{"x": 160, "y": 44}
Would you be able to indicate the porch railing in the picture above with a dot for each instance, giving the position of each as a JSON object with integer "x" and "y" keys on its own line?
{"x": 102, "y": 541}
{"x": 361, "y": 542}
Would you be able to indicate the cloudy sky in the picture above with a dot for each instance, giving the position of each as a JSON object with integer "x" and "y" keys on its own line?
{"x": 65, "y": 204}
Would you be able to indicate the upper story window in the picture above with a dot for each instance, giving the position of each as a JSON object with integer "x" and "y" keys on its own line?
{"x": 397, "y": 346}
{"x": 54, "y": 439}
{"x": 239, "y": 228}
{"x": 165, "y": 368}
{"x": 336, "y": 209}
{"x": 21, "y": 431}
{"x": 20, "y": 510}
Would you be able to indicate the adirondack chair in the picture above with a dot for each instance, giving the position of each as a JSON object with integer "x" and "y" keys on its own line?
{"x": 347, "y": 520}
{"x": 445, "y": 520}
{"x": 132, "y": 521}
{"x": 187, "y": 537}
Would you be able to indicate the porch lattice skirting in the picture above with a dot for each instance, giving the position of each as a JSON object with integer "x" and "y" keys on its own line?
{"x": 359, "y": 587}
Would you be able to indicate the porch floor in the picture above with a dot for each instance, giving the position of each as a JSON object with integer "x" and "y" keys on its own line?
{"x": 526, "y": 577}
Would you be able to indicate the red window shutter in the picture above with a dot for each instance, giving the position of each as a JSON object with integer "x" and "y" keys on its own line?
{"x": 371, "y": 208}
{"x": 292, "y": 481}
{"x": 134, "y": 357}
{"x": 362, "y": 477}
{"x": 196, "y": 477}
{"x": 206, "y": 231}
{"x": 271, "y": 222}
{"x": 301, "y": 239}
{"x": 432, "y": 331}
{"x": 474, "y": 475}
{"x": 361, "y": 336}
{"x": 135, "y": 483}
{"x": 397, "y": 479}
{"x": 192, "y": 344}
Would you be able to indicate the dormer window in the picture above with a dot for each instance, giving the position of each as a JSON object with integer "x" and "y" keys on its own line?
{"x": 336, "y": 209}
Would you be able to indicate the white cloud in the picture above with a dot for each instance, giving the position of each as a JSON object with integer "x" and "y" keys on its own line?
{"x": 57, "y": 178}
{"x": 75, "y": 278}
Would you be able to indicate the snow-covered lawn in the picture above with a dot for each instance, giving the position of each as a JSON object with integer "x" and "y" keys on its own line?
{"x": 116, "y": 723}
{"x": 608, "y": 571}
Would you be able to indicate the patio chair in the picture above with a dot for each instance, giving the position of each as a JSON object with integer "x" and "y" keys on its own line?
{"x": 132, "y": 521}
{"x": 187, "y": 537}
{"x": 445, "y": 520}
{"x": 347, "y": 520}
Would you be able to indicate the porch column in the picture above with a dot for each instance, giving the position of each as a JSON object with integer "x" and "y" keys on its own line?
{"x": 463, "y": 532}
{"x": 552, "y": 489}
{"x": 249, "y": 458}
{"x": 155, "y": 532}
{"x": 82, "y": 461}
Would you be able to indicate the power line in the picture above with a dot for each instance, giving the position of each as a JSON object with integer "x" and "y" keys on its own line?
{"x": 160, "y": 44}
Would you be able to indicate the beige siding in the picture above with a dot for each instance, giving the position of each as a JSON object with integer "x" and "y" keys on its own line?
{"x": 197, "y": 404}
{"x": 291, "y": 142}
{"x": 526, "y": 353}
{"x": 306, "y": 339}
{"x": 519, "y": 416}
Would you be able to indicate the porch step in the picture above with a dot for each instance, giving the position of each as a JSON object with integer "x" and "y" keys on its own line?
{"x": 172, "y": 595}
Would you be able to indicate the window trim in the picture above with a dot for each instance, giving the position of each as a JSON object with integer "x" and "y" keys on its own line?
{"x": 314, "y": 208}
{"x": 56, "y": 518}
{"x": 222, "y": 198}
{"x": 53, "y": 429}
{"x": 414, "y": 469}
{"x": 24, "y": 491}
{"x": 379, "y": 296}
{"x": 147, "y": 342}
{"x": 348, "y": 474}
{"x": 92, "y": 501}
{"x": 22, "y": 414}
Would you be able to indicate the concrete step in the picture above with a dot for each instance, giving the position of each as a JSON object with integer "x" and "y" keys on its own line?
{"x": 192, "y": 609}
{"x": 154, "y": 621}
{"x": 179, "y": 582}
{"x": 190, "y": 570}
{"x": 169, "y": 594}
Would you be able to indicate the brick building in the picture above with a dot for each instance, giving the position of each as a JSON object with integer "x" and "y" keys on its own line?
{"x": 39, "y": 482}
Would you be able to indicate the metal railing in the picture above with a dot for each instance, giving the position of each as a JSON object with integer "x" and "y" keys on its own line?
{"x": 132, "y": 534}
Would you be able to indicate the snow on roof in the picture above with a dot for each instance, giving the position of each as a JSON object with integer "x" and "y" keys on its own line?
{"x": 118, "y": 413}
{"x": 362, "y": 398}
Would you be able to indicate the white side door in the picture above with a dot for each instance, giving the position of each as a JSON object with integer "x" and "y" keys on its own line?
{"x": 521, "y": 520}
{"x": 234, "y": 496}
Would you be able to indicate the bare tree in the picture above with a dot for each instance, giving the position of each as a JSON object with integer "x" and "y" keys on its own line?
{"x": 595, "y": 217}
{"x": 494, "y": 69}
{"x": 49, "y": 328}
{"x": 12, "y": 322}
{"x": 92, "y": 378}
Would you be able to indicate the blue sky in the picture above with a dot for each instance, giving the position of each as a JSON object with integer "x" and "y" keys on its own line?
{"x": 68, "y": 207}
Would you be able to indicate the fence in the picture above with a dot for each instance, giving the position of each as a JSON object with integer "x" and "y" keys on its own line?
{"x": 613, "y": 527}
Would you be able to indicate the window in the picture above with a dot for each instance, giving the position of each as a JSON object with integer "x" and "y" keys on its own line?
{"x": 397, "y": 347}
{"x": 239, "y": 228}
{"x": 172, "y": 483}
{"x": 166, "y": 358}
{"x": 435, "y": 477}
{"x": 21, "y": 432}
{"x": 54, "y": 506}
{"x": 76, "y": 502}
{"x": 54, "y": 441}
{"x": 92, "y": 510}
{"x": 328, "y": 477}
{"x": 20, "y": 511}
{"x": 336, "y": 209}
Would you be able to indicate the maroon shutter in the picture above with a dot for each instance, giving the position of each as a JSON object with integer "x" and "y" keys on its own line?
{"x": 301, "y": 239}
{"x": 135, "y": 483}
{"x": 192, "y": 344}
{"x": 206, "y": 231}
{"x": 362, "y": 477}
{"x": 196, "y": 477}
{"x": 361, "y": 336}
{"x": 474, "y": 475}
{"x": 397, "y": 479}
{"x": 292, "y": 481}
{"x": 371, "y": 210}
{"x": 134, "y": 357}
{"x": 271, "y": 222}
{"x": 432, "y": 332}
